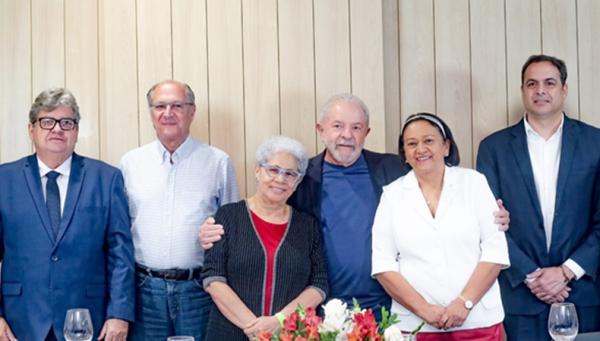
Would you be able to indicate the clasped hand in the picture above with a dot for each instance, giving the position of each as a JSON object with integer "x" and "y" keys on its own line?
{"x": 548, "y": 284}
{"x": 454, "y": 315}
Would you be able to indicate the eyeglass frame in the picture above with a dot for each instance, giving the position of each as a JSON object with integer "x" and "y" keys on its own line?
{"x": 59, "y": 121}
{"x": 281, "y": 172}
{"x": 174, "y": 106}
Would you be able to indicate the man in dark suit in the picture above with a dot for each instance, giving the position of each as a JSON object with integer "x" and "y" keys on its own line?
{"x": 546, "y": 168}
{"x": 65, "y": 237}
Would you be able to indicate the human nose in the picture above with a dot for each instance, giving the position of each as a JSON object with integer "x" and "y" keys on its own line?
{"x": 347, "y": 133}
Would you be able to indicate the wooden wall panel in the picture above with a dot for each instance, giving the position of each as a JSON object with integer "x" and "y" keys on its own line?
{"x": 417, "y": 57}
{"x": 453, "y": 78}
{"x": 391, "y": 74}
{"x": 261, "y": 79}
{"x": 366, "y": 32}
{"x": 488, "y": 69}
{"x": 190, "y": 63}
{"x": 261, "y": 67}
{"x": 332, "y": 49}
{"x": 15, "y": 82}
{"x": 297, "y": 72}
{"x": 154, "y": 56}
{"x": 118, "y": 92}
{"x": 559, "y": 38}
{"x": 523, "y": 38}
{"x": 226, "y": 81}
{"x": 81, "y": 69}
{"x": 47, "y": 44}
{"x": 588, "y": 14}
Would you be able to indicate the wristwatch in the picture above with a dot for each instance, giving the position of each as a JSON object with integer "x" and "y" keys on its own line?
{"x": 468, "y": 303}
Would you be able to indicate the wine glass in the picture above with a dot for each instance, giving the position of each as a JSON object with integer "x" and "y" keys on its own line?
{"x": 180, "y": 338}
{"x": 562, "y": 322}
{"x": 78, "y": 325}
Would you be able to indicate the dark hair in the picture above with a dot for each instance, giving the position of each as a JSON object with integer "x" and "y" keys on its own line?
{"x": 538, "y": 58}
{"x": 453, "y": 158}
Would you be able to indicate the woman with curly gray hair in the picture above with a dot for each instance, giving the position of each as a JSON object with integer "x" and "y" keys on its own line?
{"x": 270, "y": 260}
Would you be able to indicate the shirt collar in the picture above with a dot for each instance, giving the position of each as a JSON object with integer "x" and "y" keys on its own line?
{"x": 531, "y": 132}
{"x": 179, "y": 154}
{"x": 63, "y": 169}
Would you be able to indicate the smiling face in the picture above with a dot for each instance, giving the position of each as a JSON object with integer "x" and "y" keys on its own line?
{"x": 424, "y": 147}
{"x": 172, "y": 114}
{"x": 343, "y": 131}
{"x": 277, "y": 189}
{"x": 542, "y": 92}
{"x": 55, "y": 144}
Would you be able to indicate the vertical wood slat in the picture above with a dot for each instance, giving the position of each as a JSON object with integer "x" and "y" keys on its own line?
{"x": 118, "y": 79}
{"x": 523, "y": 38}
{"x": 261, "y": 79}
{"x": 332, "y": 49}
{"x": 190, "y": 63}
{"x": 81, "y": 69}
{"x": 15, "y": 82}
{"x": 417, "y": 57}
{"x": 488, "y": 69}
{"x": 154, "y": 56}
{"x": 225, "y": 83}
{"x": 297, "y": 72}
{"x": 559, "y": 38}
{"x": 588, "y": 21}
{"x": 453, "y": 86}
{"x": 366, "y": 49}
{"x": 391, "y": 74}
{"x": 47, "y": 44}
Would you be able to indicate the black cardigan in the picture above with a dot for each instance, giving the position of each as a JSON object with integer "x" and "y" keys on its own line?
{"x": 239, "y": 260}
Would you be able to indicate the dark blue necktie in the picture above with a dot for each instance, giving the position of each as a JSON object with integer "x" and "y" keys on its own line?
{"x": 53, "y": 200}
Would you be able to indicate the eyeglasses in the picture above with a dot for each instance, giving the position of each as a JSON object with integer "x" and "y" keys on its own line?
{"x": 273, "y": 171}
{"x": 48, "y": 123}
{"x": 175, "y": 106}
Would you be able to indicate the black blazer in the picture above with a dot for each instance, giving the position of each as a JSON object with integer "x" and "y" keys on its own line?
{"x": 383, "y": 169}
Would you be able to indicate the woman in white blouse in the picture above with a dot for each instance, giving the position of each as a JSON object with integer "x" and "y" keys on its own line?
{"x": 436, "y": 249}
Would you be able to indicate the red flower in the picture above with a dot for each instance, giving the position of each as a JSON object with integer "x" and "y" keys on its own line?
{"x": 290, "y": 324}
{"x": 264, "y": 336}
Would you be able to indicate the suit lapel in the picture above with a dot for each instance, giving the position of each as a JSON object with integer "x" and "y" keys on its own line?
{"x": 521, "y": 153}
{"x": 31, "y": 172}
{"x": 73, "y": 190}
{"x": 567, "y": 153}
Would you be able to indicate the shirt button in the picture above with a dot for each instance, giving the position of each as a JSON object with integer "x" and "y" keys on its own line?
{"x": 54, "y": 258}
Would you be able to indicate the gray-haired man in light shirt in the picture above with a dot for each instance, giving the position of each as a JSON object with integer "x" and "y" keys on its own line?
{"x": 173, "y": 184}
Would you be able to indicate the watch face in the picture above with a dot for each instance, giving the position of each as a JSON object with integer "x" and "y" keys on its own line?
{"x": 468, "y": 304}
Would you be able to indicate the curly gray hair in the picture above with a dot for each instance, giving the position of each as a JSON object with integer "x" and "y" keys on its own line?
{"x": 280, "y": 143}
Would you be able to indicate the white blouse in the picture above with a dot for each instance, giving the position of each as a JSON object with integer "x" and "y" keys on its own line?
{"x": 438, "y": 255}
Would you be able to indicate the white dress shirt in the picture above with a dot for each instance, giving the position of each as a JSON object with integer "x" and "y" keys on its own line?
{"x": 170, "y": 196}
{"x": 545, "y": 161}
{"x": 62, "y": 180}
{"x": 437, "y": 256}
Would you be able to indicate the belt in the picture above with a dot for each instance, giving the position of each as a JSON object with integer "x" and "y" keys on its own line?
{"x": 172, "y": 274}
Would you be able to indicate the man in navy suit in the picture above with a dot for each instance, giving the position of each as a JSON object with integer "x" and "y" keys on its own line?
{"x": 65, "y": 239}
{"x": 546, "y": 168}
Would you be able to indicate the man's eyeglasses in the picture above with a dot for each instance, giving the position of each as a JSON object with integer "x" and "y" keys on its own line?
{"x": 273, "y": 171}
{"x": 48, "y": 123}
{"x": 175, "y": 106}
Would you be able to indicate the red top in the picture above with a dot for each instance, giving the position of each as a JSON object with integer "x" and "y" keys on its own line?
{"x": 270, "y": 234}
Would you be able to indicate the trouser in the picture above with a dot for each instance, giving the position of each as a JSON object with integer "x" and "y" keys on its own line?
{"x": 169, "y": 307}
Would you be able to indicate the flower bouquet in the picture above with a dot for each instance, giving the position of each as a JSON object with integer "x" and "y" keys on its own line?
{"x": 339, "y": 324}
